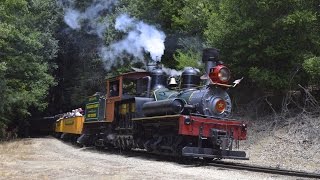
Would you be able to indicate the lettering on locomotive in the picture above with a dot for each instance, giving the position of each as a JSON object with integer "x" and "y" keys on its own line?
{"x": 92, "y": 106}
{"x": 93, "y": 98}
{"x": 93, "y": 115}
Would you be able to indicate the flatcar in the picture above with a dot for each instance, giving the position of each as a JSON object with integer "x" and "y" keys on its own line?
{"x": 141, "y": 110}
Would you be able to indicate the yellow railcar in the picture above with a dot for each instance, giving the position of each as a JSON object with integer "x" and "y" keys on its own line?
{"x": 58, "y": 128}
{"x": 73, "y": 125}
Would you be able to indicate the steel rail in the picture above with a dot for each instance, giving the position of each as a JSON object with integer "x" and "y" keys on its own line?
{"x": 270, "y": 170}
{"x": 222, "y": 164}
{"x": 231, "y": 165}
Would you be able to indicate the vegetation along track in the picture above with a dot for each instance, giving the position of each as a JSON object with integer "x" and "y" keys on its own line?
{"x": 271, "y": 170}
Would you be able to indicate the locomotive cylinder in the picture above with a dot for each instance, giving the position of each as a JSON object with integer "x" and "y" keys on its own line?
{"x": 163, "y": 107}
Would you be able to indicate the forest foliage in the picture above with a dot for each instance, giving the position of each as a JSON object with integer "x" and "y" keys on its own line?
{"x": 273, "y": 44}
{"x": 27, "y": 52}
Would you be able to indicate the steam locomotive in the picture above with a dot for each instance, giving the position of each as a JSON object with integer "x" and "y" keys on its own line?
{"x": 141, "y": 110}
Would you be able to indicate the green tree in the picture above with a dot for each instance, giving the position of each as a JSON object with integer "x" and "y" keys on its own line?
{"x": 154, "y": 11}
{"x": 27, "y": 47}
{"x": 312, "y": 66}
{"x": 192, "y": 18}
{"x": 189, "y": 54}
{"x": 266, "y": 41}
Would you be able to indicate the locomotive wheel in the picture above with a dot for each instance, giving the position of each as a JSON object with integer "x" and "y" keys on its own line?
{"x": 124, "y": 146}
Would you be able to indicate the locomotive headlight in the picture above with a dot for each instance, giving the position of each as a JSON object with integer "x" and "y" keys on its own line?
{"x": 224, "y": 74}
{"x": 220, "y": 74}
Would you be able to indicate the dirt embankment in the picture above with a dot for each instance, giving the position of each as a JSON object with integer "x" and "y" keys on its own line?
{"x": 49, "y": 158}
{"x": 292, "y": 143}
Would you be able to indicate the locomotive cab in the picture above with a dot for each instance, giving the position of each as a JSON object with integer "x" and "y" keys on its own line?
{"x": 118, "y": 106}
{"x": 125, "y": 87}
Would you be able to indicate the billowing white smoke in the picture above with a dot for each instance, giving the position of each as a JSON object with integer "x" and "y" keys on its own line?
{"x": 139, "y": 38}
{"x": 72, "y": 18}
{"x": 92, "y": 15}
{"x": 171, "y": 72}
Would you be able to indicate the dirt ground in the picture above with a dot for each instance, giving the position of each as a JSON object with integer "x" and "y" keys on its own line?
{"x": 49, "y": 158}
{"x": 294, "y": 144}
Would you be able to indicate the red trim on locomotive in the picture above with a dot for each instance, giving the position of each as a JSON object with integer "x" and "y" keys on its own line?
{"x": 191, "y": 125}
{"x": 215, "y": 74}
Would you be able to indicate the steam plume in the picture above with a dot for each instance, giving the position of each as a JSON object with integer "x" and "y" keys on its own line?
{"x": 171, "y": 72}
{"x": 139, "y": 37}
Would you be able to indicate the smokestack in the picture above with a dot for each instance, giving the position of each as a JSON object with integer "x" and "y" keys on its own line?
{"x": 151, "y": 64}
{"x": 210, "y": 57}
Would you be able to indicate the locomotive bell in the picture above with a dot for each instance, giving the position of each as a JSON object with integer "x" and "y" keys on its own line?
{"x": 173, "y": 82}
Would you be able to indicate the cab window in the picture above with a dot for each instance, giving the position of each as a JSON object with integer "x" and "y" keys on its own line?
{"x": 142, "y": 87}
{"x": 129, "y": 87}
{"x": 114, "y": 88}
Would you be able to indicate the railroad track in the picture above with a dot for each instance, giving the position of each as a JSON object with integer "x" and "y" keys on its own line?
{"x": 270, "y": 170}
{"x": 222, "y": 164}
{"x": 238, "y": 166}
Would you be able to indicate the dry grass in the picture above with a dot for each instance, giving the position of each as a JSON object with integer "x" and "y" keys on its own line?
{"x": 16, "y": 149}
{"x": 293, "y": 145}
{"x": 288, "y": 138}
